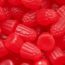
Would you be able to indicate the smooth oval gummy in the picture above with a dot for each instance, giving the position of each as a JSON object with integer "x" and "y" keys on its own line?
{"x": 46, "y": 42}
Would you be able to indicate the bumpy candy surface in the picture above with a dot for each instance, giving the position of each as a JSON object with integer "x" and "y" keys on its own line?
{"x": 32, "y": 32}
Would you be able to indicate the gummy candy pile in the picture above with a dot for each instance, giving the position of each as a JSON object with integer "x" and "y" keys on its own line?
{"x": 32, "y": 32}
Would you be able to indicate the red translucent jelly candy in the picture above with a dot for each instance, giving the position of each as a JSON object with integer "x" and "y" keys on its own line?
{"x": 16, "y": 12}
{"x": 13, "y": 43}
{"x": 6, "y": 62}
{"x": 26, "y": 33}
{"x": 32, "y": 4}
{"x": 46, "y": 42}
{"x": 30, "y": 51}
{"x": 57, "y": 57}
{"x": 46, "y": 17}
{"x": 58, "y": 29}
{"x": 42, "y": 62}
{"x": 3, "y": 50}
{"x": 29, "y": 19}
{"x": 8, "y": 26}
{"x": 14, "y": 2}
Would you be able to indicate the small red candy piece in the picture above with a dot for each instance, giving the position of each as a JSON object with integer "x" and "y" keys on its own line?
{"x": 32, "y": 4}
{"x": 58, "y": 29}
{"x": 46, "y": 17}
{"x": 3, "y": 50}
{"x": 29, "y": 19}
{"x": 26, "y": 33}
{"x": 13, "y": 43}
{"x": 7, "y": 62}
{"x": 57, "y": 57}
{"x": 16, "y": 12}
{"x": 42, "y": 62}
{"x": 30, "y": 51}
{"x": 46, "y": 42}
{"x": 8, "y": 26}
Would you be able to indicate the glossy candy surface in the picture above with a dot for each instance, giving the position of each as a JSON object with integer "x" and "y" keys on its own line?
{"x": 32, "y": 32}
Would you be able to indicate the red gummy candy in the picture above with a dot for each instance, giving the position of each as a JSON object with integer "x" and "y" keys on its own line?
{"x": 13, "y": 43}
{"x": 57, "y": 57}
{"x": 26, "y": 33}
{"x": 58, "y": 29}
{"x": 46, "y": 42}
{"x": 29, "y": 19}
{"x": 30, "y": 51}
{"x": 46, "y": 17}
{"x": 8, "y": 26}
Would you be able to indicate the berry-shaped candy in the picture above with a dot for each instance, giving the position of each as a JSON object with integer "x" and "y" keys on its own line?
{"x": 14, "y": 2}
{"x": 46, "y": 42}
{"x": 46, "y": 17}
{"x": 26, "y": 33}
{"x": 3, "y": 50}
{"x": 57, "y": 57}
{"x": 29, "y": 19}
{"x": 42, "y": 62}
{"x": 16, "y": 12}
{"x": 58, "y": 29}
{"x": 30, "y": 51}
{"x": 7, "y": 62}
{"x": 13, "y": 43}
{"x": 8, "y": 26}
{"x": 32, "y": 4}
